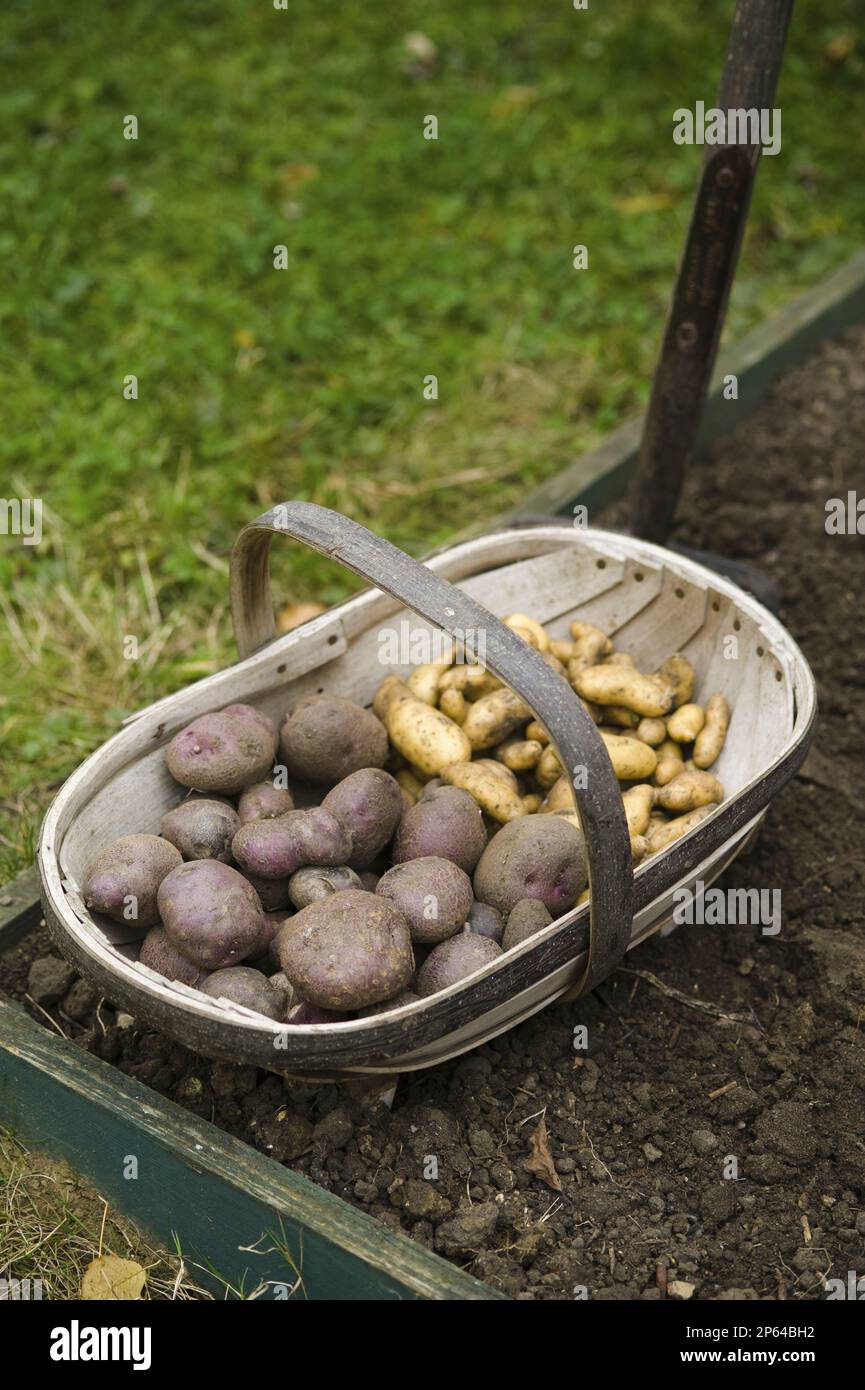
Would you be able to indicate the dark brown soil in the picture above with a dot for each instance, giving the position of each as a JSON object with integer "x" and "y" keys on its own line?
{"x": 668, "y": 1098}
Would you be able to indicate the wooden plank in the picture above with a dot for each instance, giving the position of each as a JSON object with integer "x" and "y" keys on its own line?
{"x": 217, "y": 1196}
{"x": 20, "y": 908}
{"x": 782, "y": 341}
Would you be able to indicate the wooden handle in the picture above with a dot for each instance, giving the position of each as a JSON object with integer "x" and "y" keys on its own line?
{"x": 577, "y": 741}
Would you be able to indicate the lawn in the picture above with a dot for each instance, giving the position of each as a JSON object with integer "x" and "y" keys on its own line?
{"x": 406, "y": 258}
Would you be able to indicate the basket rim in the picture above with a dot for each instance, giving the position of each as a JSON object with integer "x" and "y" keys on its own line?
{"x": 477, "y": 993}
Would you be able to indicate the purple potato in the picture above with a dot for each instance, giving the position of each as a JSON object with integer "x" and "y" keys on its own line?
{"x": 315, "y": 881}
{"x": 407, "y": 997}
{"x": 484, "y": 920}
{"x": 277, "y": 848}
{"x": 446, "y": 824}
{"x": 158, "y": 954}
{"x": 272, "y": 892}
{"x": 243, "y": 985}
{"x": 124, "y": 879}
{"x": 224, "y": 751}
{"x": 533, "y": 857}
{"x": 368, "y": 880}
{"x": 370, "y": 803}
{"x": 264, "y": 801}
{"x": 326, "y": 738}
{"x": 346, "y": 951}
{"x": 525, "y": 918}
{"x": 452, "y": 961}
{"x": 301, "y": 1012}
{"x": 212, "y": 914}
{"x": 201, "y": 828}
{"x": 434, "y": 895}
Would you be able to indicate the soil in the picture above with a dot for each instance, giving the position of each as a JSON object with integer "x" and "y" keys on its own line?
{"x": 696, "y": 1155}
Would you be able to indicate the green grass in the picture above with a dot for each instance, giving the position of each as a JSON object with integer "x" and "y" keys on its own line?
{"x": 407, "y": 257}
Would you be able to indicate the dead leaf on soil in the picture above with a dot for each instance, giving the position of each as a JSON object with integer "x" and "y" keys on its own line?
{"x": 540, "y": 1160}
{"x": 109, "y": 1277}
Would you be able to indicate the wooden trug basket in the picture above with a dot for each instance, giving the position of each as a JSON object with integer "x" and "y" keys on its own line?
{"x": 651, "y": 601}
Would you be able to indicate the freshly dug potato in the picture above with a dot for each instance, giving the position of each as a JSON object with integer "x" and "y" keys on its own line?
{"x": 408, "y": 996}
{"x": 519, "y": 754}
{"x": 425, "y": 736}
{"x": 685, "y": 723}
{"x": 370, "y": 803}
{"x": 314, "y": 882}
{"x": 325, "y": 738}
{"x": 347, "y": 951}
{"x": 272, "y": 892}
{"x": 532, "y": 802}
{"x": 454, "y": 704}
{"x": 391, "y": 690}
{"x": 549, "y": 768}
{"x": 620, "y": 717}
{"x": 243, "y": 985}
{"x": 632, "y": 760}
{"x": 277, "y": 848}
{"x": 493, "y": 793}
{"x": 223, "y": 752}
{"x": 434, "y": 896}
{"x": 710, "y": 739}
{"x": 530, "y": 630}
{"x": 639, "y": 847}
{"x": 158, "y": 954}
{"x": 452, "y": 961}
{"x": 201, "y": 828}
{"x": 424, "y": 681}
{"x": 620, "y": 659}
{"x": 649, "y": 696}
{"x": 123, "y": 880}
{"x": 264, "y": 801}
{"x": 535, "y": 730}
{"x": 560, "y": 797}
{"x": 688, "y": 792}
{"x": 652, "y": 731}
{"x": 680, "y": 673}
{"x": 211, "y": 914}
{"x": 665, "y": 835}
{"x": 448, "y": 824}
{"x": 536, "y": 857}
{"x": 469, "y": 681}
{"x": 638, "y": 802}
{"x": 670, "y": 763}
{"x": 562, "y": 648}
{"x": 491, "y": 719}
{"x": 411, "y": 789}
{"x": 484, "y": 920}
{"x": 525, "y": 918}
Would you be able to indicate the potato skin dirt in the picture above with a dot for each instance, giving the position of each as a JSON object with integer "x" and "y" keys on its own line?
{"x": 347, "y": 951}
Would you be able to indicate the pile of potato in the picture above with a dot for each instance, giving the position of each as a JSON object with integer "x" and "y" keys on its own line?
{"x": 446, "y": 833}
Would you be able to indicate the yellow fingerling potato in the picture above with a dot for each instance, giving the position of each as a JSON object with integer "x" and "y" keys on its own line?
{"x": 670, "y": 763}
{"x": 583, "y": 898}
{"x": 532, "y": 803}
{"x": 530, "y": 630}
{"x": 536, "y": 731}
{"x": 472, "y": 681}
{"x": 424, "y": 681}
{"x": 679, "y": 673}
{"x": 425, "y": 736}
{"x": 493, "y": 717}
{"x": 639, "y": 848}
{"x": 562, "y": 649}
{"x": 549, "y": 769}
{"x": 555, "y": 665}
{"x": 649, "y": 696}
{"x": 519, "y": 754}
{"x": 638, "y": 802}
{"x": 620, "y": 659}
{"x": 494, "y": 793}
{"x": 652, "y": 731}
{"x": 560, "y": 797}
{"x": 688, "y": 792}
{"x": 633, "y": 761}
{"x": 410, "y": 784}
{"x": 454, "y": 704}
{"x": 685, "y": 723}
{"x": 391, "y": 690}
{"x": 621, "y": 717}
{"x": 667, "y": 834}
{"x": 710, "y": 739}
{"x": 590, "y": 642}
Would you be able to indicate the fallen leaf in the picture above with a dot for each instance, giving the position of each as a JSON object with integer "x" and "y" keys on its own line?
{"x": 296, "y": 613}
{"x": 109, "y": 1277}
{"x": 540, "y": 1160}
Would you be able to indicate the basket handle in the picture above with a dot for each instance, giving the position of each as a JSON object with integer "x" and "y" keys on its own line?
{"x": 599, "y": 803}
